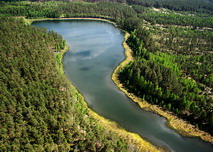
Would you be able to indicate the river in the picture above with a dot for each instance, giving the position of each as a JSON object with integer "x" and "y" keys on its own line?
{"x": 95, "y": 50}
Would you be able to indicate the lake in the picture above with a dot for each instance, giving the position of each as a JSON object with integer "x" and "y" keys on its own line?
{"x": 95, "y": 50}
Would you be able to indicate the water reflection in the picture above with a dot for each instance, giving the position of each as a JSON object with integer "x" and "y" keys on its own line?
{"x": 95, "y": 50}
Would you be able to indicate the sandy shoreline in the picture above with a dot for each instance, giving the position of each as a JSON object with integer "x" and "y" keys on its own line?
{"x": 174, "y": 122}
{"x": 131, "y": 138}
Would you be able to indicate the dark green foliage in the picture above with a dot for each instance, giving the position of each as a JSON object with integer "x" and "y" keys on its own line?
{"x": 199, "y": 67}
{"x": 162, "y": 78}
{"x": 172, "y": 68}
{"x": 185, "y": 40}
{"x": 115, "y": 1}
{"x": 122, "y": 14}
{"x": 177, "y": 5}
{"x": 179, "y": 79}
{"x": 155, "y": 73}
{"x": 175, "y": 18}
{"x": 39, "y": 111}
{"x": 116, "y": 12}
{"x": 193, "y": 46}
{"x": 131, "y": 23}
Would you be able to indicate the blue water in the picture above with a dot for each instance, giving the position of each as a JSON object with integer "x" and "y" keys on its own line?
{"x": 95, "y": 50}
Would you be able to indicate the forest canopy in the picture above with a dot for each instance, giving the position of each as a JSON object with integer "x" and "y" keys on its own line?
{"x": 39, "y": 111}
{"x": 172, "y": 67}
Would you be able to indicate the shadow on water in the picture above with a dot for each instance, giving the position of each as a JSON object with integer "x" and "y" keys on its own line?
{"x": 85, "y": 68}
{"x": 82, "y": 54}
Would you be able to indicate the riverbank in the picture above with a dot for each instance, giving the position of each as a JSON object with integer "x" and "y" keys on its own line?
{"x": 174, "y": 122}
{"x": 113, "y": 125}
{"x": 130, "y": 138}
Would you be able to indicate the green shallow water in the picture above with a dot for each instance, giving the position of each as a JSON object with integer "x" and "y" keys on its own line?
{"x": 95, "y": 50}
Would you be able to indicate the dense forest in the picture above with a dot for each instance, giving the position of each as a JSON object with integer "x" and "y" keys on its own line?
{"x": 38, "y": 109}
{"x": 165, "y": 16}
{"x": 160, "y": 79}
{"x": 116, "y": 12}
{"x": 172, "y": 68}
{"x": 177, "y": 5}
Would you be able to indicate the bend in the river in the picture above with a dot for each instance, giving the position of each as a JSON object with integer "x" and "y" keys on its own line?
{"x": 95, "y": 50}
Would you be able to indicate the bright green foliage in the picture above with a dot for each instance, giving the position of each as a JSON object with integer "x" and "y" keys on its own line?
{"x": 163, "y": 78}
{"x": 172, "y": 67}
{"x": 39, "y": 110}
{"x": 174, "y": 18}
{"x": 191, "y": 49}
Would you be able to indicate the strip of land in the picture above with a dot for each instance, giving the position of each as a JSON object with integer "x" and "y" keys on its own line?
{"x": 181, "y": 126}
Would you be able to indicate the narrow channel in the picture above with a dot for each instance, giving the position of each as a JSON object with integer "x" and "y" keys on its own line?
{"x": 95, "y": 50}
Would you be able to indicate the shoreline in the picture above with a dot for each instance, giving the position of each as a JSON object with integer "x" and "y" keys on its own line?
{"x": 182, "y": 127}
{"x": 129, "y": 137}
{"x": 30, "y": 21}
{"x": 173, "y": 121}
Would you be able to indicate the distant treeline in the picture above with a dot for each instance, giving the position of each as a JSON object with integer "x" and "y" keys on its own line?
{"x": 116, "y": 12}
{"x": 177, "y": 5}
{"x": 160, "y": 16}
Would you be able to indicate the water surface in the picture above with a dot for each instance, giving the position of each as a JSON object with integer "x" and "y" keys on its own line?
{"x": 95, "y": 50}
